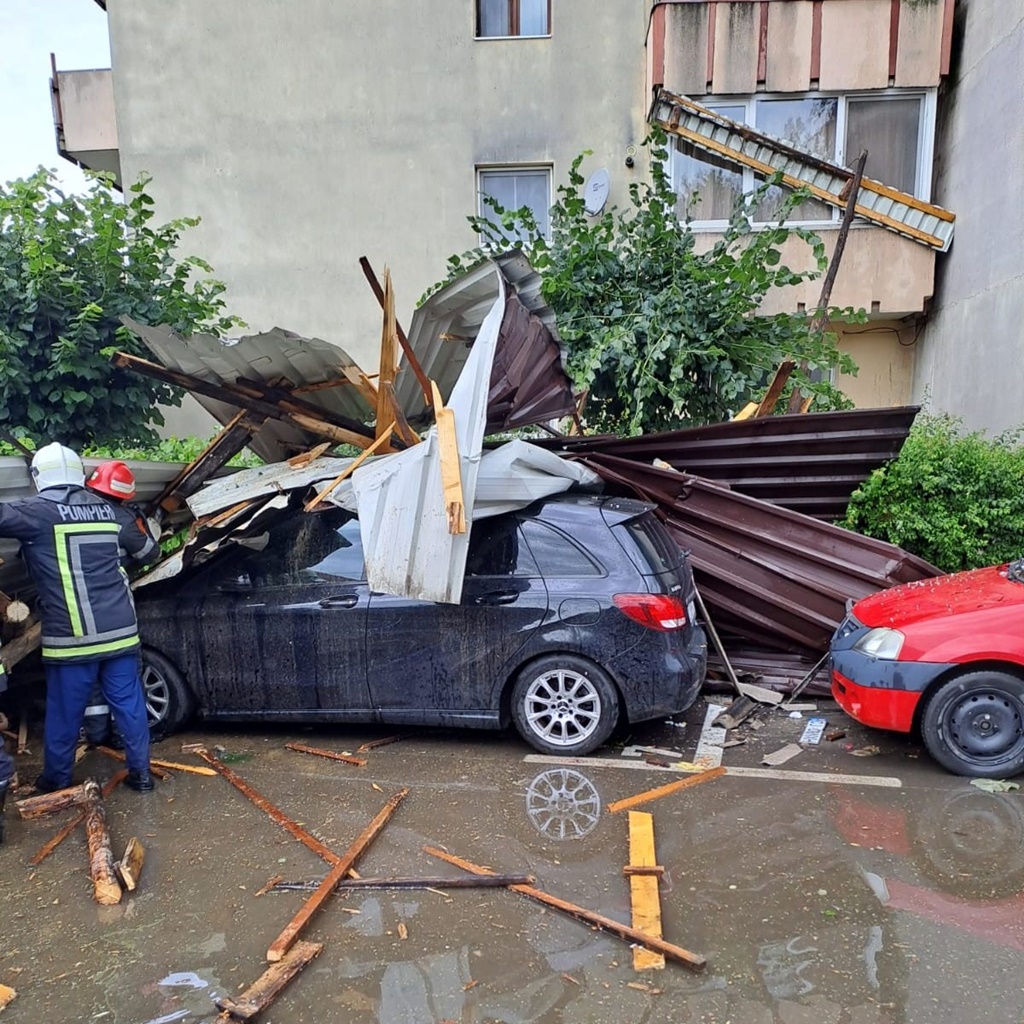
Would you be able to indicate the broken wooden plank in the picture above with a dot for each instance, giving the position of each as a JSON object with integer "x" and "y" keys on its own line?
{"x": 275, "y": 813}
{"x": 782, "y": 755}
{"x": 388, "y": 356}
{"x": 775, "y": 389}
{"x": 129, "y": 867}
{"x": 254, "y": 396}
{"x": 440, "y": 882}
{"x": 451, "y": 467}
{"x": 320, "y": 752}
{"x": 154, "y": 766}
{"x": 193, "y": 748}
{"x": 410, "y": 356}
{"x": 305, "y": 458}
{"x": 672, "y": 787}
{"x": 371, "y": 744}
{"x": 644, "y": 873}
{"x": 652, "y": 942}
{"x": 381, "y": 442}
{"x": 48, "y": 847}
{"x": 402, "y": 428}
{"x": 284, "y": 941}
{"x": 262, "y": 992}
{"x": 51, "y": 803}
{"x": 7, "y": 995}
{"x": 747, "y": 411}
{"x": 106, "y": 887}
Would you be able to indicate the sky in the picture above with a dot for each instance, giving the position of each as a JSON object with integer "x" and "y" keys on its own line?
{"x": 76, "y": 32}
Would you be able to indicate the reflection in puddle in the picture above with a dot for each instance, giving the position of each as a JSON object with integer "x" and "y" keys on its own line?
{"x": 563, "y": 804}
{"x": 782, "y": 965}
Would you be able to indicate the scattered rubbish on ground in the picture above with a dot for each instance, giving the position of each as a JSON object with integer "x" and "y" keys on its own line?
{"x": 373, "y": 744}
{"x": 995, "y": 785}
{"x": 258, "y": 996}
{"x": 636, "y": 751}
{"x": 7, "y": 995}
{"x": 782, "y": 755}
{"x": 814, "y": 730}
{"x": 129, "y": 867}
{"x": 869, "y": 751}
{"x": 835, "y": 734}
{"x": 447, "y": 882}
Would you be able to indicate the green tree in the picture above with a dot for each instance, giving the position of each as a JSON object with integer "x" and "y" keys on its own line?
{"x": 70, "y": 267}
{"x": 954, "y": 497}
{"x": 661, "y": 334}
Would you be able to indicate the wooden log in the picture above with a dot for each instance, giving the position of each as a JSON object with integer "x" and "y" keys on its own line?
{"x": 22, "y": 646}
{"x": 118, "y": 755}
{"x": 47, "y": 848}
{"x": 17, "y": 612}
{"x": 672, "y": 787}
{"x": 284, "y": 941}
{"x": 49, "y": 803}
{"x": 644, "y": 898}
{"x": 106, "y": 887}
{"x": 320, "y": 752}
{"x": 440, "y": 882}
{"x": 275, "y": 813}
{"x": 129, "y": 867}
{"x": 677, "y": 953}
{"x": 262, "y": 992}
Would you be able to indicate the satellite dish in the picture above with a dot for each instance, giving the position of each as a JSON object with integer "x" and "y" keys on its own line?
{"x": 595, "y": 194}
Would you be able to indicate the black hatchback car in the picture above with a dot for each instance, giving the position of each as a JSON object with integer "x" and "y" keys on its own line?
{"x": 576, "y": 612}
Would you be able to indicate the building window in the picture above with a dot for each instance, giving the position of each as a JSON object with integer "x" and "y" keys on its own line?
{"x": 499, "y": 19}
{"x": 515, "y": 187}
{"x": 896, "y": 128}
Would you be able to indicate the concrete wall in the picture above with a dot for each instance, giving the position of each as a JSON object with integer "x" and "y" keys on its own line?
{"x": 306, "y": 135}
{"x": 84, "y": 112}
{"x": 884, "y": 354}
{"x": 971, "y": 352}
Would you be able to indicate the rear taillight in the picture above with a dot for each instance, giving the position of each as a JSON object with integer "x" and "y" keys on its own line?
{"x": 655, "y": 611}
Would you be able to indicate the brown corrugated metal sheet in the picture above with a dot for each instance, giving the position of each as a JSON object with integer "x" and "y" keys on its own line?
{"x": 810, "y": 463}
{"x": 767, "y": 574}
{"x": 782, "y": 671}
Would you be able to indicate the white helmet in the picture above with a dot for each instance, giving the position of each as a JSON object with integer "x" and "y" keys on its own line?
{"x": 56, "y": 466}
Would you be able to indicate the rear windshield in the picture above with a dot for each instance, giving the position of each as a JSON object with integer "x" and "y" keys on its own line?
{"x": 659, "y": 551}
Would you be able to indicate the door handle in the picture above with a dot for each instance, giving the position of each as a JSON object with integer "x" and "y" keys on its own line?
{"x": 340, "y": 601}
{"x": 498, "y": 597}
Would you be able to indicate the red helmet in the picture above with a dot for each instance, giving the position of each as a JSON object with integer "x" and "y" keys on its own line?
{"x": 113, "y": 479}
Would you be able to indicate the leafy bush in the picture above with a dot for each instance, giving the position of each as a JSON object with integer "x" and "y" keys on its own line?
{"x": 169, "y": 449}
{"x": 70, "y": 267}
{"x": 661, "y": 335}
{"x": 952, "y": 497}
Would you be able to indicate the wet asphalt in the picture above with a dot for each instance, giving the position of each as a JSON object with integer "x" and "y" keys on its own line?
{"x": 814, "y": 902}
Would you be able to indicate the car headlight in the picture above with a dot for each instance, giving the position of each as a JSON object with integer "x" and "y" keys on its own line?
{"x": 881, "y": 643}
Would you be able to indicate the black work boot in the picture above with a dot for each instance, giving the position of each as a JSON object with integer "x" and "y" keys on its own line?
{"x": 141, "y": 782}
{"x": 4, "y": 786}
{"x": 44, "y": 785}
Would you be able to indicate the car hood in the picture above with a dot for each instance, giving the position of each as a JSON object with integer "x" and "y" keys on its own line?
{"x": 961, "y": 592}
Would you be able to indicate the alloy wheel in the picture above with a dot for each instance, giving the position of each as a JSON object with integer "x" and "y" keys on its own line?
{"x": 562, "y": 707}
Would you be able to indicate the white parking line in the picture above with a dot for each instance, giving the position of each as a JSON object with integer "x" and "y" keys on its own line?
{"x": 709, "y": 746}
{"x": 883, "y": 781}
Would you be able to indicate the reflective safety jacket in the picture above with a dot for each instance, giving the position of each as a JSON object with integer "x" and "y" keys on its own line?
{"x": 71, "y": 540}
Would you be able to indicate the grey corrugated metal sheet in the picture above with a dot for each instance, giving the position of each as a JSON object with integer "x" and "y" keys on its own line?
{"x": 768, "y": 574}
{"x": 274, "y": 356}
{"x": 905, "y": 214}
{"x": 443, "y": 329}
{"x": 15, "y": 482}
{"x": 810, "y": 462}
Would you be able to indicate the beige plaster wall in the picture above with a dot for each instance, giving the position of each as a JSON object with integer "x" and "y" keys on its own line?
{"x": 884, "y": 354}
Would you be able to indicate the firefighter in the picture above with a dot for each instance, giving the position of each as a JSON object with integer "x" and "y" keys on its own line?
{"x": 116, "y": 482}
{"x": 71, "y": 541}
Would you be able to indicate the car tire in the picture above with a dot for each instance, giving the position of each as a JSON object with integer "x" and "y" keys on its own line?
{"x": 973, "y": 725}
{"x": 169, "y": 701}
{"x": 564, "y": 704}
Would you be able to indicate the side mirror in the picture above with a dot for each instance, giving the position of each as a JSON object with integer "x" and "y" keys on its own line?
{"x": 240, "y": 584}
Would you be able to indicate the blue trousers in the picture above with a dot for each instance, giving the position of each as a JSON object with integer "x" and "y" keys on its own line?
{"x": 68, "y": 687}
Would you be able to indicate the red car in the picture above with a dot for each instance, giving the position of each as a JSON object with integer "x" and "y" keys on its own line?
{"x": 945, "y": 656}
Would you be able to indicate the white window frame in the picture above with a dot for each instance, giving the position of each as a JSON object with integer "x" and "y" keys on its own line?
{"x": 925, "y": 142}
{"x": 534, "y": 169}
